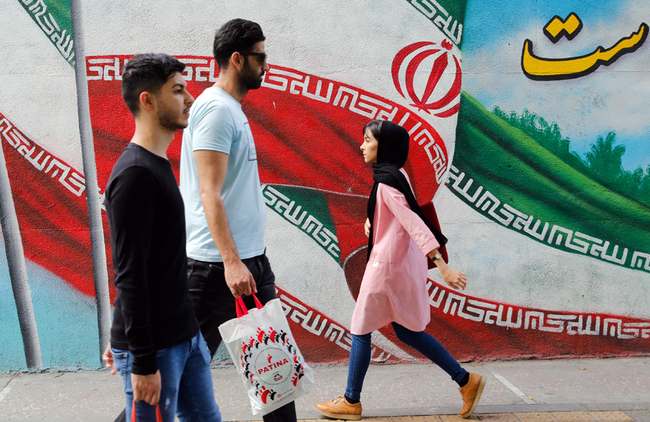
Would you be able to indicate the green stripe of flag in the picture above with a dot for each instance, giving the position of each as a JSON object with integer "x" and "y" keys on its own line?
{"x": 447, "y": 15}
{"x": 54, "y": 19}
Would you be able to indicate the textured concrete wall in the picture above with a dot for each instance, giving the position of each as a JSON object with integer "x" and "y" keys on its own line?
{"x": 539, "y": 168}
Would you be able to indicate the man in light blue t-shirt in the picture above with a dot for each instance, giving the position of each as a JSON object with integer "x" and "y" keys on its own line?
{"x": 224, "y": 207}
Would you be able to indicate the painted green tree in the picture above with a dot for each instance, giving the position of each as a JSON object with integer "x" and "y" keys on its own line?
{"x": 603, "y": 163}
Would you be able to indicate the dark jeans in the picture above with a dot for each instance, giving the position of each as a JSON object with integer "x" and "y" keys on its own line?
{"x": 214, "y": 304}
{"x": 421, "y": 341}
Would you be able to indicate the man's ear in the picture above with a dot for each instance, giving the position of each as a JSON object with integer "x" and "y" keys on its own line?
{"x": 147, "y": 101}
{"x": 237, "y": 60}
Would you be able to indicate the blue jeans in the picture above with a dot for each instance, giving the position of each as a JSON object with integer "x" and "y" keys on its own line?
{"x": 187, "y": 390}
{"x": 421, "y": 341}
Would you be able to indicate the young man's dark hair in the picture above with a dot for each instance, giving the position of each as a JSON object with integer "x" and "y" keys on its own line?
{"x": 235, "y": 35}
{"x": 147, "y": 72}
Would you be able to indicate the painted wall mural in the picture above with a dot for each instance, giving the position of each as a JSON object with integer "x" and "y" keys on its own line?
{"x": 530, "y": 137}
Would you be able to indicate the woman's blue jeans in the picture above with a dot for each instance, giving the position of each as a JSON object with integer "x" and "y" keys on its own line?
{"x": 421, "y": 341}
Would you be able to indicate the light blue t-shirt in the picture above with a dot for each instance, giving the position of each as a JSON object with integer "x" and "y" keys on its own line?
{"x": 218, "y": 123}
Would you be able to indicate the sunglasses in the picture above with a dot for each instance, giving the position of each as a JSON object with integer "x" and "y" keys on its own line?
{"x": 261, "y": 57}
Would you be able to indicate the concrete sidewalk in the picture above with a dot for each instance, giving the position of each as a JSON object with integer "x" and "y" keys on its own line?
{"x": 531, "y": 390}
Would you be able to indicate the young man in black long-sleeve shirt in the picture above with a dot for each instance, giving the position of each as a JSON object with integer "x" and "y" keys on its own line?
{"x": 155, "y": 340}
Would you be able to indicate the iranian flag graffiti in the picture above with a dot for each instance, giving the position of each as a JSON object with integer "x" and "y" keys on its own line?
{"x": 307, "y": 130}
{"x": 307, "y": 133}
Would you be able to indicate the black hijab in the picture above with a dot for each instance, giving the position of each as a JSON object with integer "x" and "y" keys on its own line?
{"x": 392, "y": 152}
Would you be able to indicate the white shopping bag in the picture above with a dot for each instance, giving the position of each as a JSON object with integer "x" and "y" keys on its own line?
{"x": 264, "y": 352}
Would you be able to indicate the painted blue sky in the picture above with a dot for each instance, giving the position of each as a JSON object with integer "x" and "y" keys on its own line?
{"x": 613, "y": 98}
{"x": 66, "y": 322}
{"x": 505, "y": 17}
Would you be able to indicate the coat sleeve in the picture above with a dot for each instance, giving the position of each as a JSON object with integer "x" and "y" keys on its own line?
{"x": 412, "y": 223}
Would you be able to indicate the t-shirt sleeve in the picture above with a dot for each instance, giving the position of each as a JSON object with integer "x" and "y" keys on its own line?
{"x": 132, "y": 198}
{"x": 412, "y": 223}
{"x": 214, "y": 130}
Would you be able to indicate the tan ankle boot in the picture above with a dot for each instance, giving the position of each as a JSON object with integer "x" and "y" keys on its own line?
{"x": 471, "y": 394}
{"x": 340, "y": 408}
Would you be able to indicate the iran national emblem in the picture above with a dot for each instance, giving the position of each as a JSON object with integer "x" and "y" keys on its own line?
{"x": 429, "y": 74}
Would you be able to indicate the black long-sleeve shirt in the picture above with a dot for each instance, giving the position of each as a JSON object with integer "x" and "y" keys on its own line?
{"x": 147, "y": 225}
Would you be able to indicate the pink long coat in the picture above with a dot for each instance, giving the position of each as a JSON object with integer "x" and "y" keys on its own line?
{"x": 393, "y": 288}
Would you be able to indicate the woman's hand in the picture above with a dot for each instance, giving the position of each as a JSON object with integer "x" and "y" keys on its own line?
{"x": 366, "y": 227}
{"x": 453, "y": 278}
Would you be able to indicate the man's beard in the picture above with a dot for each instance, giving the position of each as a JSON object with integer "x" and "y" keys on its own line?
{"x": 249, "y": 80}
{"x": 170, "y": 119}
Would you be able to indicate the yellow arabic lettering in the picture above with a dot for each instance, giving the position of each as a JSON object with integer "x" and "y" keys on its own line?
{"x": 557, "y": 27}
{"x": 549, "y": 69}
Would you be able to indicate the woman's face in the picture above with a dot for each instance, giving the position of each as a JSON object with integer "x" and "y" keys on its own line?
{"x": 369, "y": 147}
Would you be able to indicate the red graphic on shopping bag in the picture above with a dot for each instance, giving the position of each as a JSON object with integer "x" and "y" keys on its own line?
{"x": 271, "y": 364}
{"x": 430, "y": 75}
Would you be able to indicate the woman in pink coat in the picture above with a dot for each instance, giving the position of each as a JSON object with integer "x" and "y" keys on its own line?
{"x": 393, "y": 289}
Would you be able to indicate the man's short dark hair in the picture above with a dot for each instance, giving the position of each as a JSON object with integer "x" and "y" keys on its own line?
{"x": 147, "y": 72}
{"x": 235, "y": 35}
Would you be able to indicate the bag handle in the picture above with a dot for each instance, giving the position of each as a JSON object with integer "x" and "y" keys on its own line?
{"x": 241, "y": 307}
{"x": 134, "y": 418}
